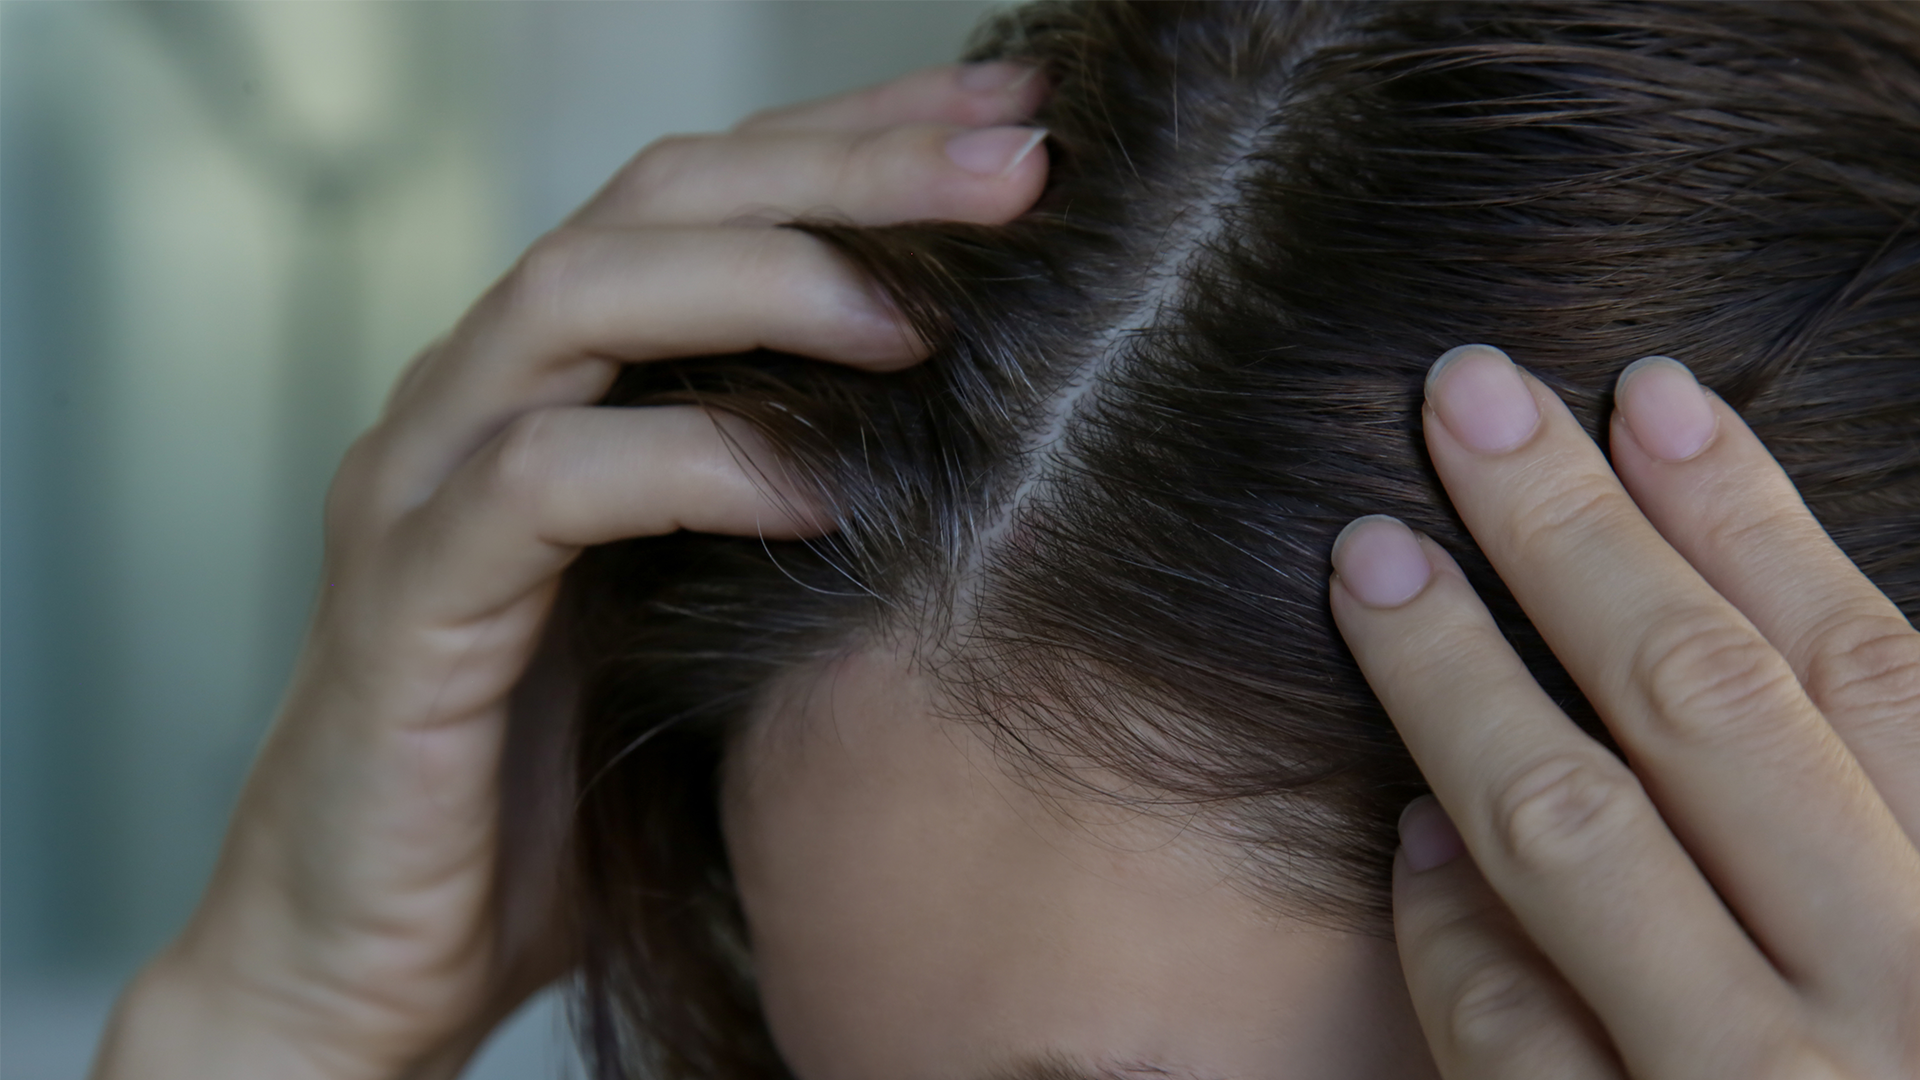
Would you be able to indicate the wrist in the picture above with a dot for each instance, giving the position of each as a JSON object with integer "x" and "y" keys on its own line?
{"x": 172, "y": 1022}
{"x": 177, "y": 1020}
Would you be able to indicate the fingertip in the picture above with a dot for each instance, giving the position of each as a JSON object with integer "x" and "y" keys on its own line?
{"x": 983, "y": 176}
{"x": 779, "y": 503}
{"x": 1483, "y": 399}
{"x": 998, "y": 91}
{"x": 1667, "y": 410}
{"x": 1380, "y": 562}
{"x": 853, "y": 319}
{"x": 969, "y": 95}
{"x": 994, "y": 153}
{"x": 1024, "y": 180}
{"x": 1729, "y": 433}
{"x": 1428, "y": 838}
{"x": 880, "y": 336}
{"x": 1006, "y": 79}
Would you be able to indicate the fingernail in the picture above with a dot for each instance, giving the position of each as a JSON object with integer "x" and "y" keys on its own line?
{"x": 994, "y": 76}
{"x": 994, "y": 151}
{"x": 1427, "y": 835}
{"x": 1380, "y": 561}
{"x": 1665, "y": 408}
{"x": 1480, "y": 397}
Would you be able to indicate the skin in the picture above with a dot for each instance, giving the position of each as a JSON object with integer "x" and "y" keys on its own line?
{"x": 918, "y": 911}
{"x": 370, "y": 918}
{"x": 1737, "y": 899}
{"x": 1741, "y": 896}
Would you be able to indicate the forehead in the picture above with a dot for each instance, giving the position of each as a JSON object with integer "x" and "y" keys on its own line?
{"x": 918, "y": 911}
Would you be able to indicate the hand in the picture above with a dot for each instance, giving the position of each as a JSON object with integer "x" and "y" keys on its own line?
{"x": 359, "y": 924}
{"x": 1745, "y": 900}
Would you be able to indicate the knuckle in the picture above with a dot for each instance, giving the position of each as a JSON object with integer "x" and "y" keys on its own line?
{"x": 1759, "y": 521}
{"x": 1569, "y": 511}
{"x": 1441, "y": 930}
{"x": 412, "y": 375}
{"x": 778, "y": 116}
{"x": 1461, "y": 652}
{"x": 1564, "y": 811}
{"x": 1868, "y": 664}
{"x": 521, "y": 466}
{"x": 352, "y": 495}
{"x": 1703, "y": 676}
{"x": 663, "y": 165}
{"x": 1494, "y": 1005}
{"x": 359, "y": 465}
{"x": 760, "y": 118}
{"x": 547, "y": 271}
{"x": 874, "y": 155}
{"x": 772, "y": 262}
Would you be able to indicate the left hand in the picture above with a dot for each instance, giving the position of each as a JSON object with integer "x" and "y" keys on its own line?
{"x": 1741, "y": 897}
{"x": 394, "y": 882}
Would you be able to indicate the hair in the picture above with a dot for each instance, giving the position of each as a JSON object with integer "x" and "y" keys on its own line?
{"x": 1100, "y": 514}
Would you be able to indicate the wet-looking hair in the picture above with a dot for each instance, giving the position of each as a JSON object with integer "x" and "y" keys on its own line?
{"x": 1099, "y": 516}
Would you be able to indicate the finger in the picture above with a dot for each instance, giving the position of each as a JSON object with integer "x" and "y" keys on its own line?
{"x": 1491, "y": 1006}
{"x": 904, "y": 173}
{"x": 971, "y": 95}
{"x": 1718, "y": 497}
{"x": 1559, "y": 827}
{"x": 582, "y": 301}
{"x": 1742, "y": 765}
{"x": 559, "y": 479}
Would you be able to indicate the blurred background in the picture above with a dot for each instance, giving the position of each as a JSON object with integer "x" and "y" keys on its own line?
{"x": 223, "y": 229}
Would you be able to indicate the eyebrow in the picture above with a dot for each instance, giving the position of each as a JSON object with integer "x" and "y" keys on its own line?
{"x": 1054, "y": 1065}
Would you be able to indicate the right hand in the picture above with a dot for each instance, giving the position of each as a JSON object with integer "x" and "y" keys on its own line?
{"x": 1739, "y": 897}
{"x": 358, "y": 925}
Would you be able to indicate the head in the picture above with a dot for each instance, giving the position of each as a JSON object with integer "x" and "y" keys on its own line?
{"x": 1049, "y": 760}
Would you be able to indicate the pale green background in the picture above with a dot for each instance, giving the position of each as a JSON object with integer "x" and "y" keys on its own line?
{"x": 224, "y": 227}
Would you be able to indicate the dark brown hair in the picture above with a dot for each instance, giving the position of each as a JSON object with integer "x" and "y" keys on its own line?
{"x": 1101, "y": 513}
